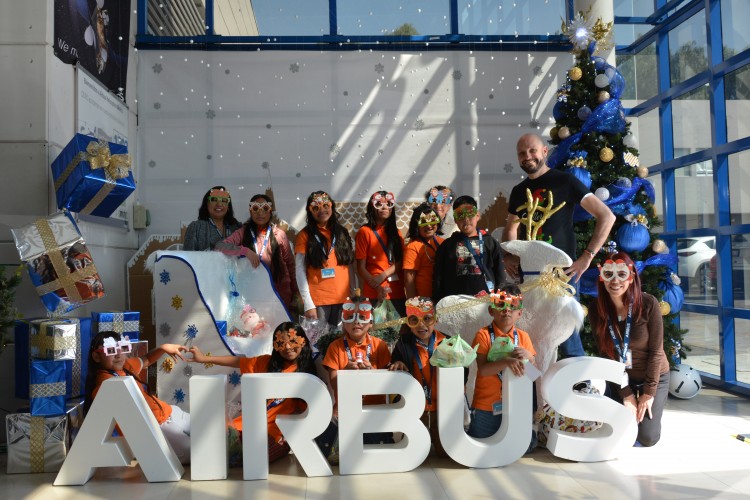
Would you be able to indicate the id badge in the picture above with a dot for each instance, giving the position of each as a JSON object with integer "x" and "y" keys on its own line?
{"x": 629, "y": 358}
{"x": 490, "y": 285}
{"x": 497, "y": 408}
{"x": 327, "y": 272}
{"x": 427, "y": 392}
{"x": 393, "y": 277}
{"x": 625, "y": 380}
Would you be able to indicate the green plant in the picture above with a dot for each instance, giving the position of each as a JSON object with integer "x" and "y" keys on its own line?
{"x": 8, "y": 311}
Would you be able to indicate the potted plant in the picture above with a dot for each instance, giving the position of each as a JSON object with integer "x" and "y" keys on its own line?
{"x": 8, "y": 311}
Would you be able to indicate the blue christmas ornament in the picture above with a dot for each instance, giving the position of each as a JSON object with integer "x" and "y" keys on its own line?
{"x": 583, "y": 113}
{"x": 582, "y": 175}
{"x": 558, "y": 111}
{"x": 600, "y": 63}
{"x": 624, "y": 183}
{"x": 633, "y": 237}
{"x": 673, "y": 295}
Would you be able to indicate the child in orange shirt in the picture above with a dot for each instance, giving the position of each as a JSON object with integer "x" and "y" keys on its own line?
{"x": 108, "y": 357}
{"x": 419, "y": 254}
{"x": 412, "y": 354}
{"x": 379, "y": 251}
{"x": 358, "y": 350}
{"x": 291, "y": 353}
{"x": 487, "y": 407}
{"x": 323, "y": 255}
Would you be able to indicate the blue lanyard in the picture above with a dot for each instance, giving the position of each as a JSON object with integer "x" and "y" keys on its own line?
{"x": 430, "y": 348}
{"x": 477, "y": 257}
{"x": 622, "y": 348}
{"x": 434, "y": 249}
{"x": 349, "y": 351}
{"x": 222, "y": 236}
{"x": 265, "y": 240}
{"x": 333, "y": 244}
{"x": 388, "y": 252}
{"x": 274, "y": 403}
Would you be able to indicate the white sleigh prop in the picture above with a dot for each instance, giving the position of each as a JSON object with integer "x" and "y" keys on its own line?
{"x": 548, "y": 318}
{"x": 191, "y": 293}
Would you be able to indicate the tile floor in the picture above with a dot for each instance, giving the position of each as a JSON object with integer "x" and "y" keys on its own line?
{"x": 696, "y": 458}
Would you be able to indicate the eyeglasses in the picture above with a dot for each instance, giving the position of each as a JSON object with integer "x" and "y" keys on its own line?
{"x": 464, "y": 213}
{"x": 615, "y": 270}
{"x": 428, "y": 219}
{"x": 256, "y": 207}
{"x": 427, "y": 319}
{"x": 112, "y": 347}
{"x": 380, "y": 201}
{"x": 219, "y": 199}
{"x": 316, "y": 206}
{"x": 362, "y": 314}
{"x": 501, "y": 301}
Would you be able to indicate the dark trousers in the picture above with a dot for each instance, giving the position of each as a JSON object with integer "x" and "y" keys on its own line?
{"x": 649, "y": 430}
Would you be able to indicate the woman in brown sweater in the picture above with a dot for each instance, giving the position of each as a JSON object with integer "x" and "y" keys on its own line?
{"x": 627, "y": 325}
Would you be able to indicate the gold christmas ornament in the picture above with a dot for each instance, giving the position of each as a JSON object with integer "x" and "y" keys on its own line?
{"x": 658, "y": 246}
{"x": 585, "y": 310}
{"x": 575, "y": 73}
{"x": 641, "y": 172}
{"x": 606, "y": 155}
{"x": 602, "y": 96}
{"x": 563, "y": 133}
{"x": 665, "y": 308}
{"x": 553, "y": 133}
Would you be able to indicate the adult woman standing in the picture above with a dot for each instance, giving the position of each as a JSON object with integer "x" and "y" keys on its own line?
{"x": 323, "y": 255}
{"x": 419, "y": 254}
{"x": 262, "y": 241}
{"x": 380, "y": 252}
{"x": 215, "y": 221}
{"x": 627, "y": 325}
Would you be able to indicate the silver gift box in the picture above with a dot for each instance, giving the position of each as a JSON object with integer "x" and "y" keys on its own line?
{"x": 40, "y": 444}
{"x": 53, "y": 339}
{"x": 29, "y": 241}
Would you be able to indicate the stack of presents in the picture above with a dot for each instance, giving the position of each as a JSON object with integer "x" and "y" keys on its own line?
{"x": 51, "y": 356}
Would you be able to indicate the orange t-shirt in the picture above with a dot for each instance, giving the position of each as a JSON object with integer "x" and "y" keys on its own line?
{"x": 428, "y": 374}
{"x": 259, "y": 364}
{"x": 160, "y": 409}
{"x": 420, "y": 257}
{"x": 337, "y": 358}
{"x": 369, "y": 249}
{"x": 489, "y": 389}
{"x": 325, "y": 291}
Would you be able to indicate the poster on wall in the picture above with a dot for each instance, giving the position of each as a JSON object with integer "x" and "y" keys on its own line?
{"x": 95, "y": 34}
{"x": 98, "y": 113}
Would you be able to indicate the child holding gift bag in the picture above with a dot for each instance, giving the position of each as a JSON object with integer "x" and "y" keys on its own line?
{"x": 108, "y": 357}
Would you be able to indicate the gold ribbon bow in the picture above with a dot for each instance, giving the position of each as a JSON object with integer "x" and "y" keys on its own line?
{"x": 554, "y": 282}
{"x": 99, "y": 156}
{"x": 637, "y": 219}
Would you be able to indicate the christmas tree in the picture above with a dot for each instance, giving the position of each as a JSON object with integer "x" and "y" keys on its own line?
{"x": 593, "y": 141}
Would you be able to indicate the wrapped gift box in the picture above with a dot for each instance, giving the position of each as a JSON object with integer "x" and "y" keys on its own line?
{"x": 59, "y": 264}
{"x": 40, "y": 444}
{"x": 125, "y": 323}
{"x": 54, "y": 340}
{"x": 75, "y": 369}
{"x": 47, "y": 387}
{"x": 92, "y": 176}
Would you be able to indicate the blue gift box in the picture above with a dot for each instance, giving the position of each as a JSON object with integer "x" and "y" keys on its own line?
{"x": 125, "y": 323}
{"x": 92, "y": 176}
{"x": 75, "y": 370}
{"x": 222, "y": 327}
{"x": 47, "y": 387}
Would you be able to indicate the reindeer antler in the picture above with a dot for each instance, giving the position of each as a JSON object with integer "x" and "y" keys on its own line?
{"x": 532, "y": 207}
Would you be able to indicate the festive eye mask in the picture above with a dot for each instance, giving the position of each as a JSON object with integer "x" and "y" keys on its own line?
{"x": 383, "y": 201}
{"x": 465, "y": 212}
{"x": 351, "y": 313}
{"x": 442, "y": 197}
{"x": 414, "y": 320}
{"x": 111, "y": 346}
{"x": 320, "y": 201}
{"x": 287, "y": 340}
{"x": 256, "y": 207}
{"x": 428, "y": 219}
{"x": 500, "y": 301}
{"x": 219, "y": 199}
{"x": 615, "y": 269}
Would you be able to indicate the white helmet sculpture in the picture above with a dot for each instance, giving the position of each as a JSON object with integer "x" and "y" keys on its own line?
{"x": 684, "y": 382}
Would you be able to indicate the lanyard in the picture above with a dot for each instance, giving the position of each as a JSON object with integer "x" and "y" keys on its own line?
{"x": 388, "y": 252}
{"x": 430, "y": 348}
{"x": 333, "y": 244}
{"x": 274, "y": 403}
{"x": 265, "y": 240}
{"x": 492, "y": 335}
{"x": 349, "y": 351}
{"x": 434, "y": 249}
{"x": 622, "y": 347}
{"x": 222, "y": 236}
{"x": 477, "y": 257}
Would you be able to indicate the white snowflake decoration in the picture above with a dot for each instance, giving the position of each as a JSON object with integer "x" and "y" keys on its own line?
{"x": 579, "y": 31}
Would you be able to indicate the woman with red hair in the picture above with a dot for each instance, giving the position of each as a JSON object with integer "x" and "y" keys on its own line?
{"x": 627, "y": 325}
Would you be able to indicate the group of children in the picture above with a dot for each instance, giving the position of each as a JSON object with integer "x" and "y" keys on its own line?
{"x": 356, "y": 349}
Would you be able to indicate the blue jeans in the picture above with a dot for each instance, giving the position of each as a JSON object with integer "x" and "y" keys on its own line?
{"x": 483, "y": 423}
{"x": 572, "y": 347}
